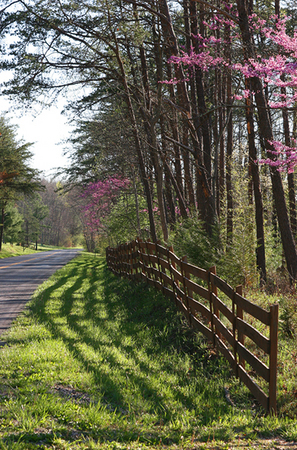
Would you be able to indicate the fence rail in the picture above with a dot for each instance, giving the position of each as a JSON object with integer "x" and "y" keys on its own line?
{"x": 195, "y": 292}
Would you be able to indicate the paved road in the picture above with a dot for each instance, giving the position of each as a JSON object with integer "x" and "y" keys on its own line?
{"x": 21, "y": 275}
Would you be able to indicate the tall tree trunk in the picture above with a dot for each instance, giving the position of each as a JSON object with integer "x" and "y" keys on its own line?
{"x": 168, "y": 184}
{"x": 216, "y": 167}
{"x": 205, "y": 200}
{"x": 200, "y": 91}
{"x": 144, "y": 177}
{"x": 221, "y": 144}
{"x": 136, "y": 201}
{"x": 169, "y": 173}
{"x": 149, "y": 122}
{"x": 260, "y": 246}
{"x": 291, "y": 184}
{"x": 189, "y": 189}
{"x": 186, "y": 157}
{"x": 267, "y": 134}
{"x": 182, "y": 204}
{"x": 175, "y": 133}
{"x": 229, "y": 148}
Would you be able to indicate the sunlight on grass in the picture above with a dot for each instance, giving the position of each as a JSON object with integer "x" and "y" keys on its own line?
{"x": 14, "y": 250}
{"x": 96, "y": 361}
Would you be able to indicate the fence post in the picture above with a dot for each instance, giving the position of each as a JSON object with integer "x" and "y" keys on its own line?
{"x": 160, "y": 278}
{"x": 172, "y": 264}
{"x": 214, "y": 310}
{"x": 211, "y": 290}
{"x": 107, "y": 257}
{"x": 140, "y": 259}
{"x": 239, "y": 314}
{"x": 185, "y": 274}
{"x": 273, "y": 357}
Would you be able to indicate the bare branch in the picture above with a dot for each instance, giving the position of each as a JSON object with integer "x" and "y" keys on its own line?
{"x": 219, "y": 10}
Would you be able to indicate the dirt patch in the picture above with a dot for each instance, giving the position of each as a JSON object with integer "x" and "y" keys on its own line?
{"x": 70, "y": 393}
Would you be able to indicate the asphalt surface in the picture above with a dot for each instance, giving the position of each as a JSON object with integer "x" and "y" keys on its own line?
{"x": 21, "y": 275}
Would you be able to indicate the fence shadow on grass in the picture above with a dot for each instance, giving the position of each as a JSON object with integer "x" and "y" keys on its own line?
{"x": 117, "y": 330}
{"x": 195, "y": 293}
{"x": 123, "y": 313}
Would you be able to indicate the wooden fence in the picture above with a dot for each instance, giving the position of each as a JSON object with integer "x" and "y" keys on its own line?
{"x": 227, "y": 324}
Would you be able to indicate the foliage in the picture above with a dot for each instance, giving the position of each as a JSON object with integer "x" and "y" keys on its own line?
{"x": 177, "y": 132}
{"x": 34, "y": 212}
{"x": 99, "y": 199}
{"x": 13, "y": 222}
{"x": 14, "y": 163}
{"x": 100, "y": 147}
{"x": 63, "y": 224}
{"x": 16, "y": 176}
{"x": 122, "y": 223}
{"x": 190, "y": 239}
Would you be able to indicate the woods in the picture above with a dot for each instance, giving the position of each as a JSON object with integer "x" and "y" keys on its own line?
{"x": 192, "y": 103}
{"x": 33, "y": 210}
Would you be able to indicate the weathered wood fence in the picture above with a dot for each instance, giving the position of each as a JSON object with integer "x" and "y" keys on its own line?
{"x": 227, "y": 324}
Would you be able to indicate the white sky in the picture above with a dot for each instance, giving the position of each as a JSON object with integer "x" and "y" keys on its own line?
{"x": 45, "y": 128}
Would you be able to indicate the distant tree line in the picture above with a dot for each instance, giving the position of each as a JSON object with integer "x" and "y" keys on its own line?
{"x": 33, "y": 210}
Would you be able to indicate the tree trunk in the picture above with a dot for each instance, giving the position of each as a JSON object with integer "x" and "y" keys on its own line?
{"x": 267, "y": 134}
{"x": 175, "y": 133}
{"x": 291, "y": 184}
{"x": 200, "y": 92}
{"x": 170, "y": 175}
{"x": 260, "y": 247}
{"x": 149, "y": 123}
{"x": 137, "y": 146}
{"x": 221, "y": 144}
{"x": 229, "y": 147}
{"x": 136, "y": 202}
{"x": 205, "y": 200}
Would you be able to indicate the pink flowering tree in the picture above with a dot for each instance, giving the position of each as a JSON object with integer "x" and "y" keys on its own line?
{"x": 278, "y": 72}
{"x": 99, "y": 199}
{"x": 274, "y": 71}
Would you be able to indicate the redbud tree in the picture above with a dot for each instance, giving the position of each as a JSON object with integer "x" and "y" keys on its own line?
{"x": 99, "y": 199}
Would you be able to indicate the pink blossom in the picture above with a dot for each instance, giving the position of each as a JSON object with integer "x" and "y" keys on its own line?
{"x": 286, "y": 157}
{"x": 100, "y": 197}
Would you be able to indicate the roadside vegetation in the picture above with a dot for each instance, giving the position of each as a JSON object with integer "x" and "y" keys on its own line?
{"x": 99, "y": 362}
{"x": 9, "y": 250}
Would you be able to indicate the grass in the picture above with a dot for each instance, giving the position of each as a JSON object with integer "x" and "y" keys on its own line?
{"x": 98, "y": 362}
{"x": 14, "y": 250}
{"x": 9, "y": 250}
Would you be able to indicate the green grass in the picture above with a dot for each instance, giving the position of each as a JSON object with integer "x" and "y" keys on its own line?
{"x": 14, "y": 250}
{"x": 9, "y": 250}
{"x": 98, "y": 362}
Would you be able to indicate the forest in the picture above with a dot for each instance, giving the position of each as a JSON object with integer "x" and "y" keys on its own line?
{"x": 186, "y": 124}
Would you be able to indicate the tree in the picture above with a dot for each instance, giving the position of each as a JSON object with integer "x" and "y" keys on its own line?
{"x": 17, "y": 177}
{"x": 34, "y": 211}
{"x": 63, "y": 224}
{"x": 265, "y": 127}
{"x": 254, "y": 69}
{"x": 13, "y": 222}
{"x": 183, "y": 133}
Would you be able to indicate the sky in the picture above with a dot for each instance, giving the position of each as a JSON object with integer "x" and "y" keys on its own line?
{"x": 46, "y": 129}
